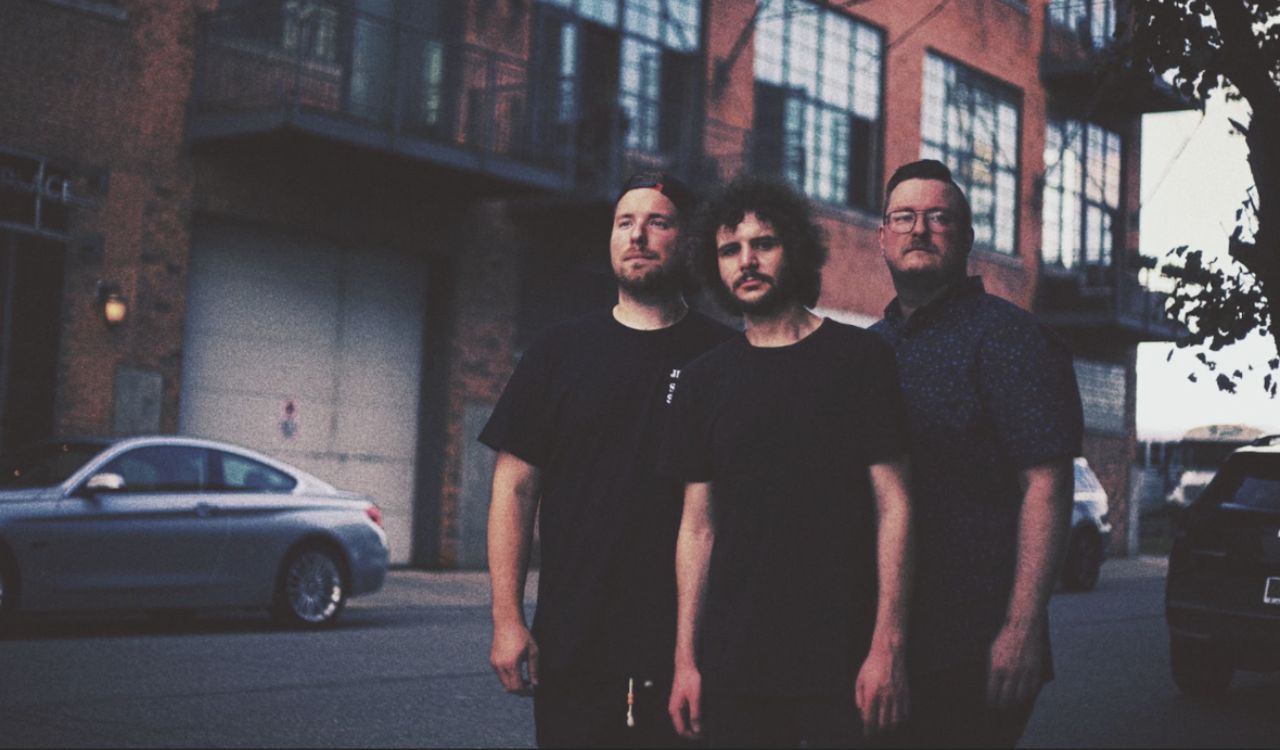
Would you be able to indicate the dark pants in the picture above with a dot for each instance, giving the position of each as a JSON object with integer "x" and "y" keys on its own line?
{"x": 949, "y": 709}
{"x": 593, "y": 713}
{"x": 774, "y": 721}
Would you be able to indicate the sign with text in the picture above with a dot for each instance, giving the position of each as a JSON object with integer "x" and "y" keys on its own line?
{"x": 37, "y": 195}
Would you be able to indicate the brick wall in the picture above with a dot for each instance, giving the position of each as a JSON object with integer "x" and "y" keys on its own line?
{"x": 109, "y": 95}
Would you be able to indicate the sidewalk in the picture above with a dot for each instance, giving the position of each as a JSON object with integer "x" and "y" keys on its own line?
{"x": 407, "y": 587}
{"x": 470, "y": 588}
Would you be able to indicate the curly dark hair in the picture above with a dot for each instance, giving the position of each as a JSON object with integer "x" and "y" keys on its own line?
{"x": 772, "y": 201}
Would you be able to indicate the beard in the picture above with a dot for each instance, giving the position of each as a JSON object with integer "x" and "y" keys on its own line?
{"x": 777, "y": 296}
{"x": 651, "y": 282}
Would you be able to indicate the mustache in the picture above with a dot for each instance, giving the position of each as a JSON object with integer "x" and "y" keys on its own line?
{"x": 754, "y": 276}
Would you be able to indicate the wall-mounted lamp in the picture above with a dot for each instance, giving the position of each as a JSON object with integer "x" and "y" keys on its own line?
{"x": 112, "y": 303}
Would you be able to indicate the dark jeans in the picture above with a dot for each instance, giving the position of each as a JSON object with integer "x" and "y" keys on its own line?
{"x": 949, "y": 709}
{"x": 777, "y": 721}
{"x": 593, "y": 713}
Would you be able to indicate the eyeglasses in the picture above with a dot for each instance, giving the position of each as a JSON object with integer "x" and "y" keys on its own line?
{"x": 903, "y": 220}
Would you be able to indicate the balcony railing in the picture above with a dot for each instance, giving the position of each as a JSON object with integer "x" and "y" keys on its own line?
{"x": 1076, "y": 68}
{"x": 1105, "y": 298}
{"x": 1093, "y": 22}
{"x": 325, "y": 68}
{"x": 395, "y": 82}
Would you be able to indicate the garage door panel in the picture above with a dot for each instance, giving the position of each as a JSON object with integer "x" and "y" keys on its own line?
{"x": 257, "y": 422}
{"x": 390, "y": 432}
{"x": 255, "y": 310}
{"x": 295, "y": 371}
{"x": 374, "y": 383}
{"x": 338, "y": 331}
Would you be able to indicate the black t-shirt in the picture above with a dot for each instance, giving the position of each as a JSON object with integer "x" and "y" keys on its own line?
{"x": 785, "y": 435}
{"x": 588, "y": 405}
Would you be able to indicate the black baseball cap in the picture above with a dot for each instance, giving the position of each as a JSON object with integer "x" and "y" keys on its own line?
{"x": 666, "y": 183}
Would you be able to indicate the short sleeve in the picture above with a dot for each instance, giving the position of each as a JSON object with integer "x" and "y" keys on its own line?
{"x": 1029, "y": 387}
{"x": 686, "y": 451}
{"x": 885, "y": 431}
{"x": 522, "y": 421}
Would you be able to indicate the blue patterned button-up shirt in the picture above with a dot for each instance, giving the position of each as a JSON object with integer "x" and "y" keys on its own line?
{"x": 989, "y": 391}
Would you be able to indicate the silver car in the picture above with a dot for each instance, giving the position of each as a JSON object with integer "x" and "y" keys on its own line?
{"x": 178, "y": 523}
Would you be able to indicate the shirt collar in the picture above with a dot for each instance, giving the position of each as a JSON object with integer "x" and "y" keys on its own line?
{"x": 967, "y": 289}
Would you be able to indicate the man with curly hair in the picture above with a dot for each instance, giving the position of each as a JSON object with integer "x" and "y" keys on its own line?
{"x": 793, "y": 557}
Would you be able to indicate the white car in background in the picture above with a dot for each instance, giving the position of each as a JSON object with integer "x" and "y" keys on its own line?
{"x": 1090, "y": 531}
{"x": 1190, "y": 485}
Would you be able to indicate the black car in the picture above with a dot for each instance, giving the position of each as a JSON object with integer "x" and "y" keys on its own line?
{"x": 1222, "y": 598}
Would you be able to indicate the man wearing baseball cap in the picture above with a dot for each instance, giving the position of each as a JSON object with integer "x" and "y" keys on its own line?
{"x": 577, "y": 431}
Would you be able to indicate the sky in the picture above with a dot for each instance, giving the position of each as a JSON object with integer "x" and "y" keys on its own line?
{"x": 1194, "y": 177}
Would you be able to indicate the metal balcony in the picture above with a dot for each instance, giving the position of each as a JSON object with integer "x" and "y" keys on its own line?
{"x": 1106, "y": 301}
{"x": 1078, "y": 35}
{"x": 329, "y": 73}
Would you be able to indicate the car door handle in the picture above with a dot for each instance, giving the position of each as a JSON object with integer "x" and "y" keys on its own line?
{"x": 204, "y": 510}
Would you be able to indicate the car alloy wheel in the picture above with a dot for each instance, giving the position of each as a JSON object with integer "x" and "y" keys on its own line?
{"x": 312, "y": 588}
{"x": 1199, "y": 669}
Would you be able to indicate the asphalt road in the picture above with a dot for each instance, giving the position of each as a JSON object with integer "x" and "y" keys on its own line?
{"x": 408, "y": 667}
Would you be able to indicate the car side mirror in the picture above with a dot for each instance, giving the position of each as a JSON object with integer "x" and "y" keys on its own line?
{"x": 104, "y": 482}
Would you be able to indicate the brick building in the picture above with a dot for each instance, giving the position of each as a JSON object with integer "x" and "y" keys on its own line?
{"x": 336, "y": 223}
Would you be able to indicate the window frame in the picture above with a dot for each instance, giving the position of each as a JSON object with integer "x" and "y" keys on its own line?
{"x": 205, "y": 485}
{"x": 218, "y": 460}
{"x": 999, "y": 92}
{"x": 1081, "y": 131}
{"x": 812, "y": 122}
{"x": 638, "y": 96}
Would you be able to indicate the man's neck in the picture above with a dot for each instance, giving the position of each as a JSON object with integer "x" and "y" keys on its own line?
{"x": 912, "y": 297}
{"x": 650, "y": 313}
{"x": 783, "y": 328}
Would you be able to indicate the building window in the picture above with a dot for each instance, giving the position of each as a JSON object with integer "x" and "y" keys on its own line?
{"x": 640, "y": 54}
{"x": 1093, "y": 20}
{"x": 971, "y": 123}
{"x": 1081, "y": 194}
{"x": 817, "y": 106}
{"x": 311, "y": 30}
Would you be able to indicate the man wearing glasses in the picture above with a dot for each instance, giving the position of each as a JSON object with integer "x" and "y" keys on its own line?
{"x": 995, "y": 420}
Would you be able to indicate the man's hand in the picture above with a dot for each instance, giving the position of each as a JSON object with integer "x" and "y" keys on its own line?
{"x": 1016, "y": 672}
{"x": 881, "y": 691}
{"x": 685, "y": 705}
{"x": 513, "y": 649}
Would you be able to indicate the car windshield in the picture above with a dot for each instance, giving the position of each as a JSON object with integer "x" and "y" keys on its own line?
{"x": 44, "y": 464}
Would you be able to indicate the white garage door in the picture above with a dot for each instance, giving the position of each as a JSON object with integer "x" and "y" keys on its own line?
{"x": 310, "y": 353}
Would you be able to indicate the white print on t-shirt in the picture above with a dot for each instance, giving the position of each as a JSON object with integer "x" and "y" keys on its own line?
{"x": 671, "y": 387}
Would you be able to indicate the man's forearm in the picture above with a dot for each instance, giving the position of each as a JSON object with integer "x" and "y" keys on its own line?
{"x": 693, "y": 559}
{"x": 1042, "y": 533}
{"x": 894, "y": 553}
{"x": 511, "y": 514}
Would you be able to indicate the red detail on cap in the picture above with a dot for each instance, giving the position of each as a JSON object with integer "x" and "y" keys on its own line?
{"x": 658, "y": 187}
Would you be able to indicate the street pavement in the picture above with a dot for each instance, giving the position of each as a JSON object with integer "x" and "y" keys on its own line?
{"x": 408, "y": 667}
